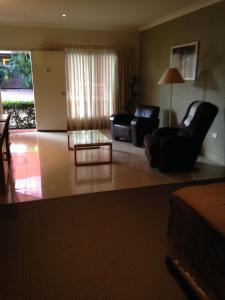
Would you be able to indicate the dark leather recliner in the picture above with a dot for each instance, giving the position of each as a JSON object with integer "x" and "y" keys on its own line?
{"x": 176, "y": 149}
{"x": 133, "y": 128}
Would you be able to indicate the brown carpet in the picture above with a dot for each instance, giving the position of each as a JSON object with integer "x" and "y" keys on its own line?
{"x": 109, "y": 245}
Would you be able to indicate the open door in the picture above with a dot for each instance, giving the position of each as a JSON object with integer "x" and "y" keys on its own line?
{"x": 49, "y": 90}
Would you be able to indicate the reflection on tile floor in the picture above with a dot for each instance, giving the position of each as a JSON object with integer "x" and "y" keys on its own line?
{"x": 43, "y": 167}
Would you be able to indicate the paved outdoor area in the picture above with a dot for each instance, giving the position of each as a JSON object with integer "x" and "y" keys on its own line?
{"x": 17, "y": 94}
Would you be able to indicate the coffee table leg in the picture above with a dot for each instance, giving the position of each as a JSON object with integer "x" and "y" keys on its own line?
{"x": 78, "y": 148}
{"x": 110, "y": 154}
{"x": 75, "y": 155}
{"x": 68, "y": 140}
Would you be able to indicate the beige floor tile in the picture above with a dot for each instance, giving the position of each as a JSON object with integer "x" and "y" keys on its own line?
{"x": 44, "y": 168}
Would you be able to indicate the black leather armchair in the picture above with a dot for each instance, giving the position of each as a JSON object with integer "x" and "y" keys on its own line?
{"x": 133, "y": 128}
{"x": 176, "y": 149}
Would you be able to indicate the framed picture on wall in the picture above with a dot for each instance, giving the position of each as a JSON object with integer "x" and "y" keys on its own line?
{"x": 184, "y": 57}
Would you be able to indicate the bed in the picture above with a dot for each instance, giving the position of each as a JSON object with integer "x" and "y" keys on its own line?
{"x": 196, "y": 236}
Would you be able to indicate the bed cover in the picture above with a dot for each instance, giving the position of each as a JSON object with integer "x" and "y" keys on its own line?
{"x": 196, "y": 235}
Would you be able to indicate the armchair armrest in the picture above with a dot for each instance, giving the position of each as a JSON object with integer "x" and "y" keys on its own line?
{"x": 119, "y": 119}
{"x": 166, "y": 131}
{"x": 140, "y": 127}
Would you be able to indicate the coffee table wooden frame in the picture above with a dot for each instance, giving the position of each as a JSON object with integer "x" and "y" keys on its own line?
{"x": 91, "y": 146}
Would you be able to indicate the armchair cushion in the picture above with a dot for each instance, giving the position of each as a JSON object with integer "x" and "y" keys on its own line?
{"x": 121, "y": 118}
{"x": 177, "y": 153}
{"x": 165, "y": 131}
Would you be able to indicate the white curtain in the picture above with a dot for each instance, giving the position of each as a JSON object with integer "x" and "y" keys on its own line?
{"x": 92, "y": 86}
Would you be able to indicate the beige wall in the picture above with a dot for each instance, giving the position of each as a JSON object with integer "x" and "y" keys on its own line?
{"x": 28, "y": 38}
{"x": 208, "y": 27}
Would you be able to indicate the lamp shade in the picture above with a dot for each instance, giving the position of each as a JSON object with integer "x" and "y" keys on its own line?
{"x": 171, "y": 75}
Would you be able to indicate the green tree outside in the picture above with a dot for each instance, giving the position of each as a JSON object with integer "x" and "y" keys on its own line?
{"x": 21, "y": 64}
{"x": 5, "y": 74}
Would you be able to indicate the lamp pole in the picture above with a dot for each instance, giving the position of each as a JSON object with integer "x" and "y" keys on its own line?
{"x": 170, "y": 104}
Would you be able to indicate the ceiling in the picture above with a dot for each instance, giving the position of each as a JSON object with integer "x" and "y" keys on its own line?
{"x": 132, "y": 15}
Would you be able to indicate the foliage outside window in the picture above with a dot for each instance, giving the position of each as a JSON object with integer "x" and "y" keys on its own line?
{"x": 21, "y": 64}
{"x": 5, "y": 74}
{"x": 22, "y": 113}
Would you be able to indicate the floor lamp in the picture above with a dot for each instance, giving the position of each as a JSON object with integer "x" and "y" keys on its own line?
{"x": 170, "y": 76}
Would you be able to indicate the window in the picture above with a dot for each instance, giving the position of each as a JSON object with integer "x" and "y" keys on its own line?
{"x": 91, "y": 76}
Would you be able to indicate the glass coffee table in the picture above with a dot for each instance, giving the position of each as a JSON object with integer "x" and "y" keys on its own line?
{"x": 97, "y": 146}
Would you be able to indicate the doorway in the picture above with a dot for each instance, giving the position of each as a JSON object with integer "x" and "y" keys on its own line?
{"x": 16, "y": 88}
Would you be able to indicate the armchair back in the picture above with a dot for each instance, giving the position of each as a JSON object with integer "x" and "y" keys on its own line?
{"x": 147, "y": 111}
{"x": 198, "y": 119}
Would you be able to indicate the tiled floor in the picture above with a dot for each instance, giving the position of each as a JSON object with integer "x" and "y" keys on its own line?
{"x": 43, "y": 167}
